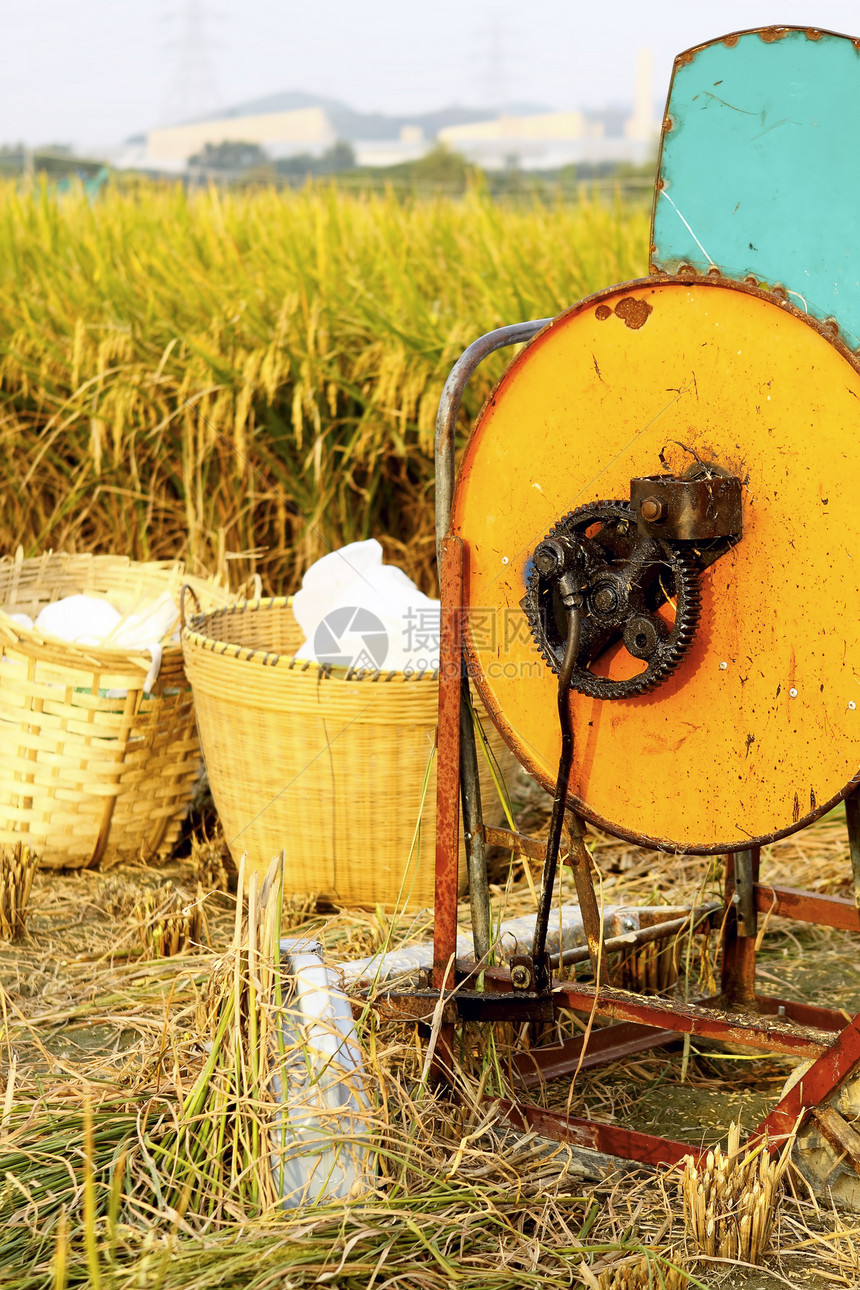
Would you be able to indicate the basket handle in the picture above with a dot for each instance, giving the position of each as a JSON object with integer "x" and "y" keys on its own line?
{"x": 186, "y": 587}
{"x": 254, "y": 584}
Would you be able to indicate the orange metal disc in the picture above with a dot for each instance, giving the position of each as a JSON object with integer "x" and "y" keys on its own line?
{"x": 758, "y": 730}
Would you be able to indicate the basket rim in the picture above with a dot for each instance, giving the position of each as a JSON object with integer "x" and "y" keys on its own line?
{"x": 192, "y": 633}
{"x": 108, "y": 654}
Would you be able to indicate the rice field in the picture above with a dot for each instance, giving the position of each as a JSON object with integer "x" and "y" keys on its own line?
{"x": 244, "y": 378}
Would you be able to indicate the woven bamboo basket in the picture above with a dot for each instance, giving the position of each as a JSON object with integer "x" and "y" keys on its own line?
{"x": 92, "y": 769}
{"x": 337, "y": 771}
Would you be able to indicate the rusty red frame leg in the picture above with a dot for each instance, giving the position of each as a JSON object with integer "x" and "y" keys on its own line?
{"x": 448, "y": 781}
{"x": 823, "y": 1077}
{"x": 609, "y": 1139}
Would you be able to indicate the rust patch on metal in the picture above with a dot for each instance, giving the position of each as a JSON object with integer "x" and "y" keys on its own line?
{"x": 607, "y": 1044}
{"x": 805, "y": 1014}
{"x": 813, "y": 33}
{"x": 632, "y": 312}
{"x": 740, "y": 1027}
{"x": 668, "y": 124}
{"x": 602, "y": 312}
{"x": 807, "y": 906}
{"x": 732, "y": 40}
{"x": 687, "y": 57}
{"x": 771, "y": 34}
{"x": 534, "y": 848}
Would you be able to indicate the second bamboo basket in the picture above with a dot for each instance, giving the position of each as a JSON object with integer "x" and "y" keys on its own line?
{"x": 338, "y": 772}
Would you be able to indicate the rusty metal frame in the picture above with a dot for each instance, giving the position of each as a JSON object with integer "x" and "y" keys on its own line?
{"x": 449, "y": 410}
{"x": 459, "y": 745}
{"x": 593, "y": 1135}
{"x": 637, "y": 1023}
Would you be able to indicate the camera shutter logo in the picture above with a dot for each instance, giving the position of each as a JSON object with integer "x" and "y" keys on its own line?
{"x": 351, "y": 637}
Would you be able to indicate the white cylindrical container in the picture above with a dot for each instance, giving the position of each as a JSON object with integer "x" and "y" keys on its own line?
{"x": 322, "y": 1143}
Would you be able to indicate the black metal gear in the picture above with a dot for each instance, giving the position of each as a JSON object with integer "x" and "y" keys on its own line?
{"x": 623, "y": 580}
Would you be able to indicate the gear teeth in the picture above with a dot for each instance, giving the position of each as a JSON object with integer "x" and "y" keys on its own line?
{"x": 687, "y": 593}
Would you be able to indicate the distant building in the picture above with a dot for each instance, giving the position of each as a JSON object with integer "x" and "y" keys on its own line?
{"x": 410, "y": 146}
{"x": 294, "y": 123}
{"x": 546, "y": 125}
{"x": 546, "y": 142}
{"x": 306, "y": 130}
{"x": 532, "y": 142}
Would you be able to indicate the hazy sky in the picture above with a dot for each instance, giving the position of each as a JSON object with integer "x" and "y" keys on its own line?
{"x": 91, "y": 72}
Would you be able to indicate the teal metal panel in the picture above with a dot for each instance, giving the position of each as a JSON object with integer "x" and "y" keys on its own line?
{"x": 759, "y": 173}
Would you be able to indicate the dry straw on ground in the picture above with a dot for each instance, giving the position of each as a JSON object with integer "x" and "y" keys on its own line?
{"x": 651, "y": 969}
{"x": 731, "y": 1199}
{"x": 211, "y": 860}
{"x": 226, "y": 1145}
{"x": 17, "y": 866}
{"x": 459, "y": 1199}
{"x": 170, "y": 921}
{"x": 637, "y": 1273}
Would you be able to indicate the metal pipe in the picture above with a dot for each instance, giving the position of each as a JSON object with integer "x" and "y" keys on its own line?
{"x": 642, "y": 936}
{"x": 473, "y": 832}
{"x": 448, "y": 767}
{"x": 449, "y": 408}
{"x": 446, "y": 424}
{"x": 586, "y": 895}
{"x": 852, "y": 818}
{"x": 513, "y": 936}
{"x": 737, "y": 971}
{"x": 746, "y": 876}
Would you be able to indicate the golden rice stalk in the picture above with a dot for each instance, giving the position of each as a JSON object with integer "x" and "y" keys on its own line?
{"x": 297, "y": 908}
{"x": 169, "y": 922}
{"x": 731, "y": 1200}
{"x": 211, "y": 862}
{"x": 649, "y": 969}
{"x": 288, "y": 411}
{"x": 17, "y": 866}
{"x": 639, "y": 1273}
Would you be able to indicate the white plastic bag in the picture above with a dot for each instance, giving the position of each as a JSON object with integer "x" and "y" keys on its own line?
{"x": 359, "y": 613}
{"x": 92, "y": 620}
{"x": 81, "y": 620}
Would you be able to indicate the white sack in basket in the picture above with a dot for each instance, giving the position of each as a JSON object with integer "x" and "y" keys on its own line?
{"x": 357, "y": 612}
{"x": 90, "y": 620}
